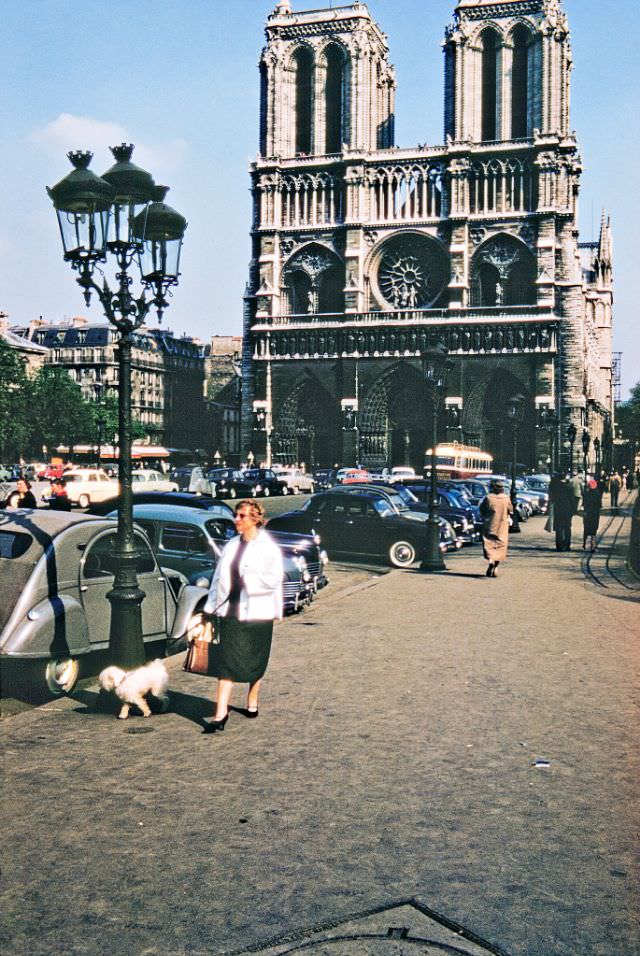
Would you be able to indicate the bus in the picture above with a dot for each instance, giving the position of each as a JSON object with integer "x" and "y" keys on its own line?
{"x": 459, "y": 461}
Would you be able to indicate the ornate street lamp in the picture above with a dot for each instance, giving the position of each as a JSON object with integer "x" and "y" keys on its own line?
{"x": 586, "y": 443}
{"x": 437, "y": 366}
{"x": 122, "y": 215}
{"x": 596, "y": 448}
{"x": 572, "y": 431}
{"x": 515, "y": 415}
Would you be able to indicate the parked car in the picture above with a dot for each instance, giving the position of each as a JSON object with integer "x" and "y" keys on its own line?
{"x": 86, "y": 485}
{"x": 183, "y": 498}
{"x": 297, "y": 480}
{"x": 189, "y": 540}
{"x": 146, "y": 479}
{"x": 324, "y": 478}
{"x": 400, "y": 472}
{"x": 363, "y": 521}
{"x": 459, "y": 518}
{"x": 346, "y": 476}
{"x": 5, "y": 473}
{"x": 224, "y": 482}
{"x": 190, "y": 478}
{"x": 254, "y": 482}
{"x": 56, "y": 569}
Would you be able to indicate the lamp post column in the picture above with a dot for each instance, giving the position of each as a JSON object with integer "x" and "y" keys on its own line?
{"x": 436, "y": 368}
{"x": 126, "y": 596}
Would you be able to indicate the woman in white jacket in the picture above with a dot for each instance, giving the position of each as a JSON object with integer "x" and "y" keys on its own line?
{"x": 246, "y": 596}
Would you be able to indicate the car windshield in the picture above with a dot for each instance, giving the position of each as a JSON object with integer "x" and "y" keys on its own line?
{"x": 406, "y": 496}
{"x": 397, "y": 502}
{"x": 383, "y": 507}
{"x": 68, "y": 478}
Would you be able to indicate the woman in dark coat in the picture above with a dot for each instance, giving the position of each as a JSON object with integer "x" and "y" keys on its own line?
{"x": 495, "y": 510}
{"x": 562, "y": 498}
{"x": 23, "y": 496}
{"x": 591, "y": 503}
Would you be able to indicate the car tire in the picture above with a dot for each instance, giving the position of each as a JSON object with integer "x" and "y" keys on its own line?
{"x": 285, "y": 490}
{"x": 402, "y": 554}
{"x": 296, "y": 490}
{"x": 61, "y": 675}
{"x": 266, "y": 492}
{"x": 84, "y": 501}
{"x": 233, "y": 493}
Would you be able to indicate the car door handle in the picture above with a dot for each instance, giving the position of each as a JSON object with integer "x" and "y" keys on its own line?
{"x": 84, "y": 587}
{"x": 349, "y": 521}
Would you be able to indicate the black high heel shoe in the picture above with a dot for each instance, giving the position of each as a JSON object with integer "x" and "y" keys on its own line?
{"x": 251, "y": 713}
{"x": 215, "y": 726}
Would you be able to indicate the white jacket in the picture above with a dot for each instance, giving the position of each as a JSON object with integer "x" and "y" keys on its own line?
{"x": 261, "y": 570}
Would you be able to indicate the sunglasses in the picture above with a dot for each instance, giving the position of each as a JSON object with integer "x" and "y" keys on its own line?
{"x": 243, "y": 514}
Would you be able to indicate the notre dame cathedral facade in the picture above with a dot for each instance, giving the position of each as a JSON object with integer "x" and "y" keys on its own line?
{"x": 367, "y": 255}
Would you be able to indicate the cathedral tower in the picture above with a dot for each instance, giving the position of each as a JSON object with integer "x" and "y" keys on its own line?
{"x": 366, "y": 255}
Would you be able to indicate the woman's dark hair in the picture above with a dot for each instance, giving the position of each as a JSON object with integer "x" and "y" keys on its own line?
{"x": 496, "y": 487}
{"x": 27, "y": 483}
{"x": 257, "y": 511}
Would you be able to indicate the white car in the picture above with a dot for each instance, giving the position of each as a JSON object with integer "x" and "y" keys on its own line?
{"x": 400, "y": 472}
{"x": 146, "y": 479}
{"x": 297, "y": 480}
{"x": 87, "y": 485}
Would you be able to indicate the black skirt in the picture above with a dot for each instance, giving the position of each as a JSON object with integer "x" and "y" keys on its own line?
{"x": 243, "y": 652}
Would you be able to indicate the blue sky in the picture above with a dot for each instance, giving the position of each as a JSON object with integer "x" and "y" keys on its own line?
{"x": 179, "y": 79}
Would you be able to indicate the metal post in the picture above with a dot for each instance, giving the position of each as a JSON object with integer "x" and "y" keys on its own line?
{"x": 515, "y": 524}
{"x": 125, "y": 636}
{"x": 433, "y": 560}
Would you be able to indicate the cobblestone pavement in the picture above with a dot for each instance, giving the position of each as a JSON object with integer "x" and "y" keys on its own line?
{"x": 437, "y": 744}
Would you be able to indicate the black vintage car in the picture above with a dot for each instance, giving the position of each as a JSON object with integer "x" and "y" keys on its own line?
{"x": 254, "y": 482}
{"x": 362, "y": 522}
{"x": 224, "y": 482}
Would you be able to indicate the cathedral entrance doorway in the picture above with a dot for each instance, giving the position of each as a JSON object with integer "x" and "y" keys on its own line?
{"x": 394, "y": 422}
{"x": 308, "y": 427}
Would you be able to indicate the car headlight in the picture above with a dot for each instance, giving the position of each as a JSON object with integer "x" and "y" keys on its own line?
{"x": 202, "y": 582}
{"x": 324, "y": 557}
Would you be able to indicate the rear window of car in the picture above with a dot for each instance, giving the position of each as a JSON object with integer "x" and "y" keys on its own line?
{"x": 221, "y": 529}
{"x": 182, "y": 537}
{"x": 13, "y": 544}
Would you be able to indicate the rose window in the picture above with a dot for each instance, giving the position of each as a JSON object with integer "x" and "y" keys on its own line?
{"x": 412, "y": 272}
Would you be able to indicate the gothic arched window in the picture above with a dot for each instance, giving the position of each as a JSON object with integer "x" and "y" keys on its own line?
{"x": 520, "y": 83}
{"x": 334, "y": 99}
{"x": 303, "y": 67}
{"x": 490, "y": 46}
{"x": 503, "y": 273}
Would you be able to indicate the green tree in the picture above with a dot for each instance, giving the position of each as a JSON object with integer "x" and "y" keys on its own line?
{"x": 61, "y": 415}
{"x": 106, "y": 411}
{"x": 16, "y": 418}
{"x": 628, "y": 415}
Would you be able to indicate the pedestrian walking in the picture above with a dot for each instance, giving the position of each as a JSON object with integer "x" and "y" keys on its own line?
{"x": 495, "y": 510}
{"x": 246, "y": 596}
{"x": 631, "y": 481}
{"x": 575, "y": 484}
{"x": 22, "y": 497}
{"x": 563, "y": 501}
{"x": 59, "y": 499}
{"x": 592, "y": 501}
{"x": 615, "y": 483}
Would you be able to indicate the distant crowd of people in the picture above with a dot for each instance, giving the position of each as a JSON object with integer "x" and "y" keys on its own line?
{"x": 574, "y": 494}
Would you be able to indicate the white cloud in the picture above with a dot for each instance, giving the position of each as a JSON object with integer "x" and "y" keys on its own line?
{"x": 68, "y": 132}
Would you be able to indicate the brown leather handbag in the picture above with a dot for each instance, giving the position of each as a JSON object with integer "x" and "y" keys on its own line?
{"x": 198, "y": 656}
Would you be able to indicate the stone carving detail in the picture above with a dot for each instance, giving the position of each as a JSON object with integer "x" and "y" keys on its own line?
{"x": 390, "y": 341}
{"x": 370, "y": 236}
{"x": 477, "y": 234}
{"x": 411, "y": 273}
{"x": 502, "y": 256}
{"x": 527, "y": 233}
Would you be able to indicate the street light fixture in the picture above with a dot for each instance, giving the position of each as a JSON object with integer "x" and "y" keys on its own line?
{"x": 596, "y": 448}
{"x": 515, "y": 415}
{"x": 121, "y": 214}
{"x": 572, "y": 431}
{"x": 437, "y": 365}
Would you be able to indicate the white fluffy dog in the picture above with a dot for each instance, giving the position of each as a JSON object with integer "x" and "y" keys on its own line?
{"x": 131, "y": 687}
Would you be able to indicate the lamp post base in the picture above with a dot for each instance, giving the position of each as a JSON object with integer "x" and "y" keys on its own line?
{"x": 126, "y": 644}
{"x": 432, "y": 560}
